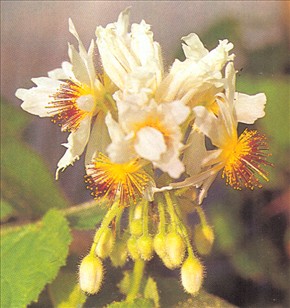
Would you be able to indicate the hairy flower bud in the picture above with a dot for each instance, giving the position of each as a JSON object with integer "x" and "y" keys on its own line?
{"x": 136, "y": 227}
{"x": 203, "y": 238}
{"x": 191, "y": 275}
{"x": 175, "y": 248}
{"x": 105, "y": 243}
{"x": 118, "y": 255}
{"x": 91, "y": 274}
{"x": 145, "y": 247}
{"x": 132, "y": 248}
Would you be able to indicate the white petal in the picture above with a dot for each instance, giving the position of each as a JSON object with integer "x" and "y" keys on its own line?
{"x": 77, "y": 141}
{"x": 177, "y": 111}
{"x": 194, "y": 153}
{"x": 174, "y": 167}
{"x": 150, "y": 143}
{"x": 57, "y": 73}
{"x": 249, "y": 108}
{"x": 86, "y": 102}
{"x": 115, "y": 131}
{"x": 36, "y": 99}
{"x": 193, "y": 49}
{"x": 210, "y": 125}
{"x": 99, "y": 138}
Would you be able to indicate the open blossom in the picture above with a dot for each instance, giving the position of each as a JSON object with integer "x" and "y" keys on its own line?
{"x": 152, "y": 132}
{"x": 71, "y": 96}
{"x": 240, "y": 157}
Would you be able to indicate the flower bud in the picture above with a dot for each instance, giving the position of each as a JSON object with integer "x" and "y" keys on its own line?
{"x": 175, "y": 248}
{"x": 203, "y": 238}
{"x": 105, "y": 243}
{"x": 118, "y": 255}
{"x": 191, "y": 275}
{"x": 145, "y": 247}
{"x": 91, "y": 274}
{"x": 159, "y": 245}
{"x": 136, "y": 227}
{"x": 132, "y": 248}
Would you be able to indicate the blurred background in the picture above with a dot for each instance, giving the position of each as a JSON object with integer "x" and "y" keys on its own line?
{"x": 249, "y": 265}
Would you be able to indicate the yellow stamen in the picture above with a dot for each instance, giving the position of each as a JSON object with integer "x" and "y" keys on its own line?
{"x": 64, "y": 107}
{"x": 109, "y": 180}
{"x": 244, "y": 158}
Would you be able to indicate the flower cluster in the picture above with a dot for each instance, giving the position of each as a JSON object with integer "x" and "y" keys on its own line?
{"x": 145, "y": 132}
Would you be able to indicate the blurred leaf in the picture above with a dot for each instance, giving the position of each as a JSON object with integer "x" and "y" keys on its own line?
{"x": 139, "y": 302}
{"x": 31, "y": 256}
{"x": 12, "y": 121}
{"x": 6, "y": 210}
{"x": 172, "y": 295}
{"x": 26, "y": 182}
{"x": 205, "y": 300}
{"x": 86, "y": 216}
{"x": 151, "y": 291}
{"x": 65, "y": 292}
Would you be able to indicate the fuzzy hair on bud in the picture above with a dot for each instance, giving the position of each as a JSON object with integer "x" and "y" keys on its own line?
{"x": 132, "y": 248}
{"x": 145, "y": 247}
{"x": 105, "y": 244}
{"x": 91, "y": 274}
{"x": 175, "y": 248}
{"x": 192, "y": 275}
{"x": 119, "y": 253}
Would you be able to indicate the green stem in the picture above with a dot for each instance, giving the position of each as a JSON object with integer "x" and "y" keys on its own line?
{"x": 201, "y": 215}
{"x": 162, "y": 220}
{"x": 145, "y": 218}
{"x": 136, "y": 279}
{"x": 112, "y": 212}
{"x": 178, "y": 223}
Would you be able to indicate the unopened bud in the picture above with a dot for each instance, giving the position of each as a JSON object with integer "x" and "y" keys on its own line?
{"x": 203, "y": 238}
{"x": 132, "y": 248}
{"x": 136, "y": 227}
{"x": 160, "y": 248}
{"x": 191, "y": 275}
{"x": 118, "y": 255}
{"x": 175, "y": 248}
{"x": 91, "y": 274}
{"x": 105, "y": 243}
{"x": 145, "y": 247}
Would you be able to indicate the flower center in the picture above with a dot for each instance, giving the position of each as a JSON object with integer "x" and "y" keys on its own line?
{"x": 243, "y": 160}
{"x": 109, "y": 180}
{"x": 71, "y": 104}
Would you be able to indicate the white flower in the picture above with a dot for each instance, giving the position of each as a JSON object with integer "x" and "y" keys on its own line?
{"x": 152, "y": 132}
{"x": 240, "y": 157}
{"x": 71, "y": 96}
{"x": 198, "y": 78}
{"x": 124, "y": 53}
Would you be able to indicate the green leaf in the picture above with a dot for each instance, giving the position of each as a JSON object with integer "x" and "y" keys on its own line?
{"x": 26, "y": 182}
{"x": 6, "y": 210}
{"x": 65, "y": 292}
{"x": 87, "y": 215}
{"x": 151, "y": 291}
{"x": 205, "y": 300}
{"x": 31, "y": 256}
{"x": 139, "y": 302}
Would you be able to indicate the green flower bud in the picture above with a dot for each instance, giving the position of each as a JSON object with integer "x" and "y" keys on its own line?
{"x": 160, "y": 248}
{"x": 118, "y": 255}
{"x": 203, "y": 238}
{"x": 175, "y": 248}
{"x": 159, "y": 245}
{"x": 191, "y": 275}
{"x": 105, "y": 243}
{"x": 132, "y": 248}
{"x": 145, "y": 247}
{"x": 136, "y": 227}
{"x": 91, "y": 274}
